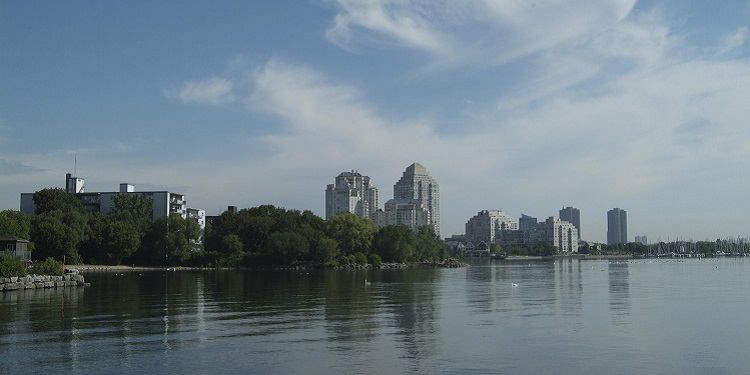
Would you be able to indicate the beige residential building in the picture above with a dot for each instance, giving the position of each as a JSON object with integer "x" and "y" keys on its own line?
{"x": 486, "y": 225}
{"x": 352, "y": 192}
{"x": 561, "y": 234}
{"x": 418, "y": 187}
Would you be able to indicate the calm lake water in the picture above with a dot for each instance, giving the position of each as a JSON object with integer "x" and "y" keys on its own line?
{"x": 562, "y": 317}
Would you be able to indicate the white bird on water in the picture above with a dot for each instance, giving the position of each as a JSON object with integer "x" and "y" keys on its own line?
{"x": 514, "y": 284}
{"x": 367, "y": 283}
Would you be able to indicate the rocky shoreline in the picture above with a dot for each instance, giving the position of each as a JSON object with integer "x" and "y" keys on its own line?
{"x": 68, "y": 280}
{"x": 448, "y": 263}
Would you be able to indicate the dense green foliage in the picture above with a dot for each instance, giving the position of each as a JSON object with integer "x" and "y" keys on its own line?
{"x": 58, "y": 234}
{"x": 54, "y": 199}
{"x": 48, "y": 267}
{"x": 535, "y": 249}
{"x": 135, "y": 209}
{"x": 60, "y": 229}
{"x": 263, "y": 235}
{"x": 353, "y": 233}
{"x": 11, "y": 266}
{"x": 14, "y": 224}
{"x": 170, "y": 240}
{"x": 271, "y": 235}
{"x": 110, "y": 240}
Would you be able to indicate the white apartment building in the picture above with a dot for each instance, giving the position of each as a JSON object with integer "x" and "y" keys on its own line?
{"x": 163, "y": 202}
{"x": 352, "y": 192}
{"x": 416, "y": 190}
{"x": 486, "y": 225}
{"x": 409, "y": 212}
{"x": 561, "y": 234}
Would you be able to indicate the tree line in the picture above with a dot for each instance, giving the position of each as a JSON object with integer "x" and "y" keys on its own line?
{"x": 265, "y": 235}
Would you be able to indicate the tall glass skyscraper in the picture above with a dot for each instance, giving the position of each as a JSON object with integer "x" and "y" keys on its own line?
{"x": 617, "y": 226}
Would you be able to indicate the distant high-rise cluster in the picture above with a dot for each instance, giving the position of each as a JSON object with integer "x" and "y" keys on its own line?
{"x": 496, "y": 227}
{"x": 617, "y": 226}
{"x": 415, "y": 203}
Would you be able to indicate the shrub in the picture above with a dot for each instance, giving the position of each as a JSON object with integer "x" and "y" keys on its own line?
{"x": 375, "y": 260}
{"x": 49, "y": 267}
{"x": 360, "y": 258}
{"x": 11, "y": 266}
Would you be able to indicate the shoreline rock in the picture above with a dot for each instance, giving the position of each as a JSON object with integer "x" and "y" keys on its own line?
{"x": 448, "y": 263}
{"x": 67, "y": 280}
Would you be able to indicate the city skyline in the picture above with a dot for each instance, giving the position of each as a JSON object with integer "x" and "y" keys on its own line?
{"x": 512, "y": 105}
{"x": 368, "y": 193}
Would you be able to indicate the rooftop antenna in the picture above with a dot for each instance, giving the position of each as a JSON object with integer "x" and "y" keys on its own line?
{"x": 75, "y": 165}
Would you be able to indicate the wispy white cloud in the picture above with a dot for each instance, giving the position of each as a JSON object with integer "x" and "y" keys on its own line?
{"x": 733, "y": 41}
{"x": 389, "y": 22}
{"x": 15, "y": 167}
{"x": 330, "y": 125}
{"x": 214, "y": 90}
{"x": 477, "y": 33}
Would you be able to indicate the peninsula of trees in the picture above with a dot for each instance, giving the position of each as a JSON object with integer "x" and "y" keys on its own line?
{"x": 259, "y": 236}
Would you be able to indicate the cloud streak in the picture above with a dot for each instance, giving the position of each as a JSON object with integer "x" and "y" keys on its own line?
{"x": 214, "y": 90}
{"x": 487, "y": 32}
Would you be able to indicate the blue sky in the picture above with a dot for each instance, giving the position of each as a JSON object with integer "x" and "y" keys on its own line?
{"x": 523, "y": 106}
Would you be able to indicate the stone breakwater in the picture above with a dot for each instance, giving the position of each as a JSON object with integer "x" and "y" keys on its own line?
{"x": 41, "y": 282}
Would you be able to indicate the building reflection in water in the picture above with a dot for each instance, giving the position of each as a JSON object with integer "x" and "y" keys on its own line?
{"x": 364, "y": 309}
{"x": 619, "y": 291}
{"x": 481, "y": 288}
{"x": 568, "y": 285}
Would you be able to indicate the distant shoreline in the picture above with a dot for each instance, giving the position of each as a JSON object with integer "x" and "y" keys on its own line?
{"x": 84, "y": 268}
{"x": 554, "y": 257}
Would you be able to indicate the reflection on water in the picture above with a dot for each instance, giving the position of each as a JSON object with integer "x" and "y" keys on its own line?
{"x": 494, "y": 316}
{"x": 619, "y": 291}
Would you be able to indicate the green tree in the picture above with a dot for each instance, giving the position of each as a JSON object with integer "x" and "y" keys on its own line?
{"x": 429, "y": 246}
{"x": 15, "y": 224}
{"x": 49, "y": 267}
{"x": 136, "y": 209}
{"x": 231, "y": 253}
{"x": 252, "y": 226}
{"x": 58, "y": 226}
{"x": 110, "y": 240}
{"x": 544, "y": 248}
{"x": 353, "y": 233}
{"x": 170, "y": 240}
{"x": 326, "y": 251}
{"x": 11, "y": 266}
{"x": 231, "y": 244}
{"x": 58, "y": 233}
{"x": 394, "y": 243}
{"x": 288, "y": 247}
{"x": 495, "y": 248}
{"x": 53, "y": 199}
